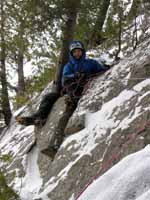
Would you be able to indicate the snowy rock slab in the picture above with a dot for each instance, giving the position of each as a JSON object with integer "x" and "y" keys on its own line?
{"x": 129, "y": 179}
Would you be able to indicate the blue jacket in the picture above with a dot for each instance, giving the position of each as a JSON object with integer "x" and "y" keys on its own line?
{"x": 87, "y": 66}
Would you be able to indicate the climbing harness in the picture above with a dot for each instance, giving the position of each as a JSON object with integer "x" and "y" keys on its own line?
{"x": 80, "y": 83}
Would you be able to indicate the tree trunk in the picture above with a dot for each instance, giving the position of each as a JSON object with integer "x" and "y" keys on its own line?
{"x": 20, "y": 59}
{"x": 95, "y": 36}
{"x": 4, "y": 94}
{"x": 21, "y": 82}
{"x": 68, "y": 35}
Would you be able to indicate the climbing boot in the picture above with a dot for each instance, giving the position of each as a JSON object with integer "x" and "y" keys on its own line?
{"x": 30, "y": 120}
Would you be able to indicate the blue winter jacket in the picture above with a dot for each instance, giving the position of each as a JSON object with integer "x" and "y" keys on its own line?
{"x": 87, "y": 66}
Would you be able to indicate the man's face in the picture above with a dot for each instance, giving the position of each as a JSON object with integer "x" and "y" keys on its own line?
{"x": 77, "y": 53}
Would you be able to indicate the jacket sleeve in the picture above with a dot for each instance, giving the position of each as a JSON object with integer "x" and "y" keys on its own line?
{"x": 98, "y": 67}
{"x": 67, "y": 74}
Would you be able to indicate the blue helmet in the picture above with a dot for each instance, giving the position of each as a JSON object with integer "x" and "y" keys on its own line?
{"x": 76, "y": 45}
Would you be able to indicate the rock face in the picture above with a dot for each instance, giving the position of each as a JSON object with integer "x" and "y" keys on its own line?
{"x": 112, "y": 120}
{"x": 128, "y": 179}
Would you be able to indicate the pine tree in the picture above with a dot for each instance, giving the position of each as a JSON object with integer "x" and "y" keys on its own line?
{"x": 4, "y": 91}
{"x": 96, "y": 37}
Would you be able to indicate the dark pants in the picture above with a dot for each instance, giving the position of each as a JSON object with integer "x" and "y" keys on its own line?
{"x": 46, "y": 105}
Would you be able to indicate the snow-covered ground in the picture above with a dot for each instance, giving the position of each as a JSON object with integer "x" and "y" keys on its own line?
{"x": 129, "y": 179}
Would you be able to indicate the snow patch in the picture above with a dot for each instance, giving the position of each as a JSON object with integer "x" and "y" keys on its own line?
{"x": 29, "y": 185}
{"x": 129, "y": 179}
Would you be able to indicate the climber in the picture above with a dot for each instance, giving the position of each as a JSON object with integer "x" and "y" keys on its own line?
{"x": 75, "y": 75}
{"x": 78, "y": 71}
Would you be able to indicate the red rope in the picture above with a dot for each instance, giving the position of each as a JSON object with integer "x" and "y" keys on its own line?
{"x": 115, "y": 156}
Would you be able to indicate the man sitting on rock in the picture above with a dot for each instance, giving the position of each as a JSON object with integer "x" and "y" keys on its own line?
{"x": 78, "y": 71}
{"x": 76, "y": 74}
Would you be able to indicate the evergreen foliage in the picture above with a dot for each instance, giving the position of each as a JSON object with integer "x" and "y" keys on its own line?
{"x": 6, "y": 192}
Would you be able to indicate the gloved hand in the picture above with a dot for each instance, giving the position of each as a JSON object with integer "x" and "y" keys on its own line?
{"x": 79, "y": 75}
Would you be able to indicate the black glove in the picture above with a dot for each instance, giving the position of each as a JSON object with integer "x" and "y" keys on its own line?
{"x": 79, "y": 75}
